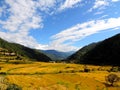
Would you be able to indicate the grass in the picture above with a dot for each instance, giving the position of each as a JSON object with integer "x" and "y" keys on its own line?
{"x": 56, "y": 76}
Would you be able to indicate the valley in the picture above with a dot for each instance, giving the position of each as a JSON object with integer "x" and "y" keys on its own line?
{"x": 59, "y": 44}
{"x": 54, "y": 76}
{"x": 23, "y": 68}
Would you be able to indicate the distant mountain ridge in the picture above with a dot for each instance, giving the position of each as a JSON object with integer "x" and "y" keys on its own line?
{"x": 23, "y": 51}
{"x": 56, "y": 55}
{"x": 106, "y": 52}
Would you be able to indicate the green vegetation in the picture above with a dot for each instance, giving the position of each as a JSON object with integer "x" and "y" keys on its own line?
{"x": 18, "y": 52}
{"x": 77, "y": 57}
{"x": 102, "y": 53}
{"x": 112, "y": 78}
{"x": 13, "y": 87}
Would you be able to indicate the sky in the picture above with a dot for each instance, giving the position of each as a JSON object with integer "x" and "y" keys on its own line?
{"x": 63, "y": 25}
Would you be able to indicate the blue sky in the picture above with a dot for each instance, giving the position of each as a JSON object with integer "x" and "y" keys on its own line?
{"x": 64, "y": 25}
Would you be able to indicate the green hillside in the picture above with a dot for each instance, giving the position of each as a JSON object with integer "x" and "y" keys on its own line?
{"x": 76, "y": 57}
{"x": 103, "y": 53}
{"x": 7, "y": 49}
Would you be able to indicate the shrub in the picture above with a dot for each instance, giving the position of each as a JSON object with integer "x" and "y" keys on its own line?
{"x": 112, "y": 78}
{"x": 86, "y": 69}
{"x": 0, "y": 68}
{"x": 59, "y": 71}
{"x": 72, "y": 71}
{"x": 13, "y": 87}
{"x": 3, "y": 73}
{"x": 93, "y": 69}
{"x": 114, "y": 69}
{"x": 67, "y": 67}
{"x": 18, "y": 58}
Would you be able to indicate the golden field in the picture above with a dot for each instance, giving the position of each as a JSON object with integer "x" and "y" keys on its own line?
{"x": 55, "y": 76}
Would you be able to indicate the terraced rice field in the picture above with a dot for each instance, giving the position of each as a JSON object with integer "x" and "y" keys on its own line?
{"x": 54, "y": 76}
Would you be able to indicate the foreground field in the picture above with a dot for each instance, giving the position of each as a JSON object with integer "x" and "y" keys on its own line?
{"x": 54, "y": 76}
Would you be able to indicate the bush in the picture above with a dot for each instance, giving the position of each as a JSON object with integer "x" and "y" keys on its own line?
{"x": 3, "y": 73}
{"x": 112, "y": 78}
{"x": 0, "y": 68}
{"x": 86, "y": 69}
{"x": 114, "y": 69}
{"x": 59, "y": 71}
{"x": 18, "y": 58}
{"x": 13, "y": 87}
{"x": 72, "y": 71}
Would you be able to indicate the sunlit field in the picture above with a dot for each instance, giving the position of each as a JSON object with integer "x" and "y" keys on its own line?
{"x": 55, "y": 76}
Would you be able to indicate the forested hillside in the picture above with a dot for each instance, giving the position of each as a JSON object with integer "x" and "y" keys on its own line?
{"x": 105, "y": 52}
{"x": 8, "y": 48}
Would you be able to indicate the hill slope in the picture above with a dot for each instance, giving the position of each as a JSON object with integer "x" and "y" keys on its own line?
{"x": 21, "y": 50}
{"x": 102, "y": 53}
{"x": 56, "y": 55}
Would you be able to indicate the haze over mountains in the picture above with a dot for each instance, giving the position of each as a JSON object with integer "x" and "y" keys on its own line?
{"x": 57, "y": 55}
{"x": 106, "y": 52}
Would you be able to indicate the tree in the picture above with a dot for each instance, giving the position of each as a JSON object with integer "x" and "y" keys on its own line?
{"x": 112, "y": 78}
{"x": 18, "y": 58}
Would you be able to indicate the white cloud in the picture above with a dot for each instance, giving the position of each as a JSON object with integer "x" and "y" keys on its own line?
{"x": 99, "y": 4}
{"x": 46, "y": 5}
{"x": 83, "y": 30}
{"x": 22, "y": 16}
{"x": 21, "y": 39}
{"x": 61, "y": 47}
{"x": 69, "y": 4}
{"x": 115, "y": 0}
{"x": 1, "y": 10}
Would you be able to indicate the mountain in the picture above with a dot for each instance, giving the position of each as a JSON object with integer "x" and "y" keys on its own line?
{"x": 56, "y": 55}
{"x": 7, "y": 48}
{"x": 76, "y": 57}
{"x": 106, "y": 52}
